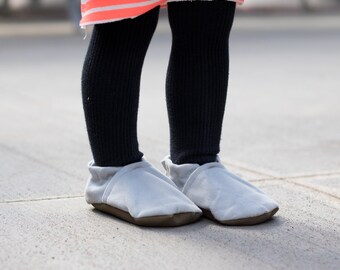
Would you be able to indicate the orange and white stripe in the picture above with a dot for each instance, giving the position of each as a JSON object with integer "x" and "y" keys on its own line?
{"x": 102, "y": 11}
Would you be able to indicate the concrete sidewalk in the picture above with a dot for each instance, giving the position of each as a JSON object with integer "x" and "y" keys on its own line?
{"x": 281, "y": 131}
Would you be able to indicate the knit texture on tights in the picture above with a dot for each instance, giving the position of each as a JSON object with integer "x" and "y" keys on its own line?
{"x": 110, "y": 87}
{"x": 196, "y": 82}
{"x": 197, "y": 78}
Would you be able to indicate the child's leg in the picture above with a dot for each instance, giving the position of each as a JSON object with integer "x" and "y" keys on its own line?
{"x": 197, "y": 82}
{"x": 197, "y": 78}
{"x": 110, "y": 87}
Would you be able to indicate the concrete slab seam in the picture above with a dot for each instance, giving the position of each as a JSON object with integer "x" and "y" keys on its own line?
{"x": 43, "y": 199}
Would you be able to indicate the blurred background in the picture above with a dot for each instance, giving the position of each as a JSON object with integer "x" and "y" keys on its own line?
{"x": 284, "y": 85}
{"x": 68, "y": 10}
{"x": 281, "y": 130}
{"x": 283, "y": 89}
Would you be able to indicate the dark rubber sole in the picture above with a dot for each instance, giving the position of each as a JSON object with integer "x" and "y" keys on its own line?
{"x": 153, "y": 221}
{"x": 242, "y": 221}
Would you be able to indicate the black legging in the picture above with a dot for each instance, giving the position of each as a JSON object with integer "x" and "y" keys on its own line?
{"x": 196, "y": 82}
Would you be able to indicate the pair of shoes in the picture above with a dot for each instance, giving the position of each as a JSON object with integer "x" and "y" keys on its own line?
{"x": 139, "y": 193}
{"x": 221, "y": 195}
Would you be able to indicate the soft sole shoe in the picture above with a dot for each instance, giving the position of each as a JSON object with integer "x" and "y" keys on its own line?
{"x": 140, "y": 194}
{"x": 154, "y": 221}
{"x": 242, "y": 221}
{"x": 221, "y": 195}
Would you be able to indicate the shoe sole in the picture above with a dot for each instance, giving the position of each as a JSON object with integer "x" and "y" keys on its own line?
{"x": 242, "y": 221}
{"x": 152, "y": 221}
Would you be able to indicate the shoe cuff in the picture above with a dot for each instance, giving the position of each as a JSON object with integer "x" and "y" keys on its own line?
{"x": 178, "y": 173}
{"x": 98, "y": 181}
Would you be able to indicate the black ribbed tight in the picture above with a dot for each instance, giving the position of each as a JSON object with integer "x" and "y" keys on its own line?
{"x": 110, "y": 87}
{"x": 196, "y": 82}
{"x": 197, "y": 78}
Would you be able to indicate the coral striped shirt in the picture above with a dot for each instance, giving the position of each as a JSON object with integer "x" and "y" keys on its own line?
{"x": 102, "y": 11}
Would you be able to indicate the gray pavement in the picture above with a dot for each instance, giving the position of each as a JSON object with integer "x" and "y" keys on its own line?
{"x": 281, "y": 131}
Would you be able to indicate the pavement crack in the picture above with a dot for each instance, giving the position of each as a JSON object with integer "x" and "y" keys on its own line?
{"x": 310, "y": 188}
{"x": 271, "y": 176}
{"x": 43, "y": 199}
{"x": 312, "y": 175}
